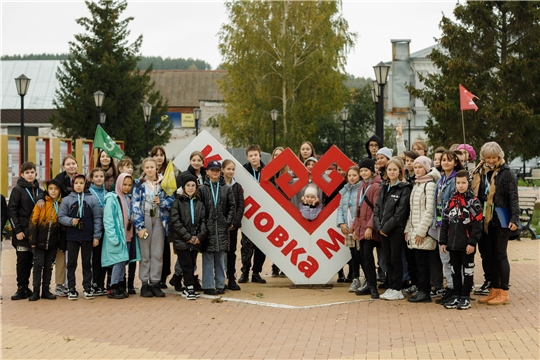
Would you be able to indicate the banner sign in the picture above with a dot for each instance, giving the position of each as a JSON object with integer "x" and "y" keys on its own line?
{"x": 309, "y": 252}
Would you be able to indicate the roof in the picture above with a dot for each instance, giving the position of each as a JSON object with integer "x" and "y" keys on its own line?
{"x": 42, "y": 84}
{"x": 31, "y": 116}
{"x": 188, "y": 87}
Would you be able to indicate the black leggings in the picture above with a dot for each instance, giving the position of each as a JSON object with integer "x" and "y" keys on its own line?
{"x": 187, "y": 260}
{"x": 498, "y": 240}
{"x": 368, "y": 261}
{"x": 393, "y": 248}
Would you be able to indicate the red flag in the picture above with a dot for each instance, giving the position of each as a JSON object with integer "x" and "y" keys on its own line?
{"x": 466, "y": 99}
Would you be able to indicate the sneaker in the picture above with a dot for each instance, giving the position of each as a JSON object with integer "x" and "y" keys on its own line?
{"x": 437, "y": 292}
{"x": 99, "y": 291}
{"x": 88, "y": 294}
{"x": 255, "y": 277}
{"x": 464, "y": 304}
{"x": 453, "y": 304}
{"x": 210, "y": 292}
{"x": 220, "y": 291}
{"x": 484, "y": 289}
{"x": 162, "y": 285}
{"x": 61, "y": 290}
{"x": 410, "y": 290}
{"x": 385, "y": 294}
{"x": 355, "y": 285}
{"x": 132, "y": 291}
{"x": 233, "y": 285}
{"x": 73, "y": 294}
{"x": 191, "y": 295}
{"x": 146, "y": 291}
{"x": 244, "y": 278}
{"x": 20, "y": 294}
{"x": 394, "y": 295}
{"x": 156, "y": 290}
{"x": 447, "y": 295}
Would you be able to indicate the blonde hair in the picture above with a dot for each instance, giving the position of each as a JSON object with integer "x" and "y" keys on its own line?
{"x": 421, "y": 144}
{"x": 399, "y": 163}
{"x": 68, "y": 156}
{"x": 196, "y": 153}
{"x": 491, "y": 149}
{"x": 150, "y": 159}
{"x": 227, "y": 162}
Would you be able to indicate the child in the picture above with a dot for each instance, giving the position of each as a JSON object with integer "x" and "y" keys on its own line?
{"x": 44, "y": 238}
{"x": 107, "y": 164}
{"x": 363, "y": 227}
{"x": 196, "y": 162}
{"x": 297, "y": 199}
{"x": 345, "y": 216}
{"x": 437, "y": 158}
{"x": 188, "y": 225}
{"x": 219, "y": 204}
{"x": 410, "y": 156}
{"x": 125, "y": 166}
{"x": 383, "y": 155}
{"x": 81, "y": 215}
{"x": 151, "y": 219}
{"x": 373, "y": 145}
{"x": 228, "y": 169}
{"x": 389, "y": 219}
{"x": 21, "y": 204}
{"x": 311, "y": 205}
{"x": 158, "y": 153}
{"x": 97, "y": 188}
{"x": 420, "y": 147}
{"x": 119, "y": 243}
{"x": 461, "y": 229}
{"x": 249, "y": 250}
{"x": 306, "y": 151}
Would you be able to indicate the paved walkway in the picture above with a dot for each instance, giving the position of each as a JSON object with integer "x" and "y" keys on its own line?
{"x": 276, "y": 323}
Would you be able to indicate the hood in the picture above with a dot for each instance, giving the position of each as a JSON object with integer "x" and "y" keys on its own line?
{"x": 373, "y": 138}
{"x": 374, "y": 180}
{"x": 25, "y": 184}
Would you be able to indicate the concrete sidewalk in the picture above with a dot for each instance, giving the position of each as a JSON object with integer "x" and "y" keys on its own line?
{"x": 272, "y": 321}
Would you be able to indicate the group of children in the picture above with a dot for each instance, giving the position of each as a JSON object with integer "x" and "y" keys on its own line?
{"x": 420, "y": 215}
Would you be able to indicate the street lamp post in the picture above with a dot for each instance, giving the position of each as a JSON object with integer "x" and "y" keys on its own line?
{"x": 147, "y": 109}
{"x": 99, "y": 96}
{"x": 381, "y": 76}
{"x": 409, "y": 119}
{"x": 274, "y": 115}
{"x": 102, "y": 118}
{"x": 22, "y": 83}
{"x": 197, "y": 114}
{"x": 375, "y": 98}
{"x": 344, "y": 116}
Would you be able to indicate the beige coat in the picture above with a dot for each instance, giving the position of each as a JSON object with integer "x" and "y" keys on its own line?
{"x": 422, "y": 205}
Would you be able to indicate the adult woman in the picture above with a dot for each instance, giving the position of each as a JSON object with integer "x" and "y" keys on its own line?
{"x": 495, "y": 185}
{"x": 107, "y": 164}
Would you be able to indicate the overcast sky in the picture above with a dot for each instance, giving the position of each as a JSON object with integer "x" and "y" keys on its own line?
{"x": 189, "y": 29}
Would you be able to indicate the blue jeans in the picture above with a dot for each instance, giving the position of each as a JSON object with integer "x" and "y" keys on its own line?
{"x": 213, "y": 272}
{"x": 118, "y": 273}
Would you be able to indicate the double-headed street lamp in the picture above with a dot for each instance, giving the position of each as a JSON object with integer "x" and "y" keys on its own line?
{"x": 22, "y": 83}
{"x": 274, "y": 114}
{"x": 147, "y": 109}
{"x": 344, "y": 116}
{"x": 381, "y": 76}
{"x": 197, "y": 114}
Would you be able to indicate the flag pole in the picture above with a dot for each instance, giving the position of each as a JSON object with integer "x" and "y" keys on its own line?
{"x": 463, "y": 126}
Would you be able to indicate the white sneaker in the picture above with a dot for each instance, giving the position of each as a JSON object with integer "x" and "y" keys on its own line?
{"x": 385, "y": 294}
{"x": 355, "y": 285}
{"x": 394, "y": 295}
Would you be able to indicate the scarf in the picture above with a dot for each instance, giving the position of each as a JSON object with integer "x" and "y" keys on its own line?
{"x": 480, "y": 173}
{"x": 125, "y": 203}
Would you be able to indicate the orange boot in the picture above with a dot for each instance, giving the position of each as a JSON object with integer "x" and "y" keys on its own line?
{"x": 492, "y": 295}
{"x": 502, "y": 298}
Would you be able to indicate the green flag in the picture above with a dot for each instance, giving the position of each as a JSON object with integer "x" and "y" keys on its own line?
{"x": 103, "y": 141}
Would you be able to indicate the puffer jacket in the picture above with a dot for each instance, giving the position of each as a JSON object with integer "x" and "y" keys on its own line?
{"x": 392, "y": 207}
{"x": 182, "y": 226}
{"x": 219, "y": 218}
{"x": 349, "y": 195}
{"x": 20, "y": 207}
{"x": 44, "y": 228}
{"x": 421, "y": 204}
{"x": 238, "y": 195}
{"x": 462, "y": 222}
{"x": 92, "y": 217}
{"x": 364, "y": 214}
{"x": 165, "y": 203}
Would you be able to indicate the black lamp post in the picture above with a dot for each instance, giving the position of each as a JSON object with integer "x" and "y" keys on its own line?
{"x": 22, "y": 83}
{"x": 274, "y": 114}
{"x": 147, "y": 109}
{"x": 197, "y": 114}
{"x": 409, "y": 119}
{"x": 344, "y": 116}
{"x": 102, "y": 118}
{"x": 381, "y": 76}
{"x": 99, "y": 96}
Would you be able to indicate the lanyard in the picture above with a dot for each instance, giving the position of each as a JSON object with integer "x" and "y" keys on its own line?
{"x": 216, "y": 195}
{"x": 192, "y": 211}
{"x": 30, "y": 194}
{"x": 97, "y": 197}
{"x": 363, "y": 195}
{"x": 487, "y": 183}
{"x": 128, "y": 206}
{"x": 256, "y": 175}
{"x": 55, "y": 205}
{"x": 80, "y": 200}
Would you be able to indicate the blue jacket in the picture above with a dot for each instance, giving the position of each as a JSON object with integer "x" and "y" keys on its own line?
{"x": 349, "y": 194}
{"x": 114, "y": 239}
{"x": 99, "y": 193}
{"x": 165, "y": 203}
{"x": 91, "y": 219}
{"x": 447, "y": 191}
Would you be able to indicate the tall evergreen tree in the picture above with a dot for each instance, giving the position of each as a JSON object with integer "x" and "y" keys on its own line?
{"x": 493, "y": 50}
{"x": 102, "y": 59}
{"x": 284, "y": 55}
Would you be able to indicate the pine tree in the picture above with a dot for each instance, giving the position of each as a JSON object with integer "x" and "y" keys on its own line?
{"x": 493, "y": 50}
{"x": 283, "y": 55}
{"x": 102, "y": 59}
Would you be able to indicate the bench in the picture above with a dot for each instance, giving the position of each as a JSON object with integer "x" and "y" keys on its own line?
{"x": 535, "y": 175}
{"x": 526, "y": 209}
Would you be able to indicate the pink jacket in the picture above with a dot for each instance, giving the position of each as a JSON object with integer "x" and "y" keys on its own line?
{"x": 364, "y": 215}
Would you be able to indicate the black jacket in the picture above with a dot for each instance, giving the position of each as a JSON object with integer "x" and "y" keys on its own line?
{"x": 255, "y": 173}
{"x": 218, "y": 218}
{"x": 462, "y": 223}
{"x": 3, "y": 213}
{"x": 392, "y": 207}
{"x": 65, "y": 180}
{"x": 181, "y": 223}
{"x": 191, "y": 171}
{"x": 238, "y": 195}
{"x": 506, "y": 193}
{"x": 20, "y": 208}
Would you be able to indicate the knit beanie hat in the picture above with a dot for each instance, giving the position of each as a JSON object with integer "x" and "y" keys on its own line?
{"x": 424, "y": 161}
{"x": 311, "y": 158}
{"x": 368, "y": 164}
{"x": 469, "y": 149}
{"x": 311, "y": 190}
{"x": 386, "y": 152}
{"x": 187, "y": 178}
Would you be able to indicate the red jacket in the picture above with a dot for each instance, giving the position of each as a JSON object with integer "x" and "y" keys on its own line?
{"x": 364, "y": 214}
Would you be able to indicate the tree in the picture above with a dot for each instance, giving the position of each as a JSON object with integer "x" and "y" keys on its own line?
{"x": 493, "y": 49}
{"x": 359, "y": 127}
{"x": 283, "y": 55}
{"x": 102, "y": 59}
